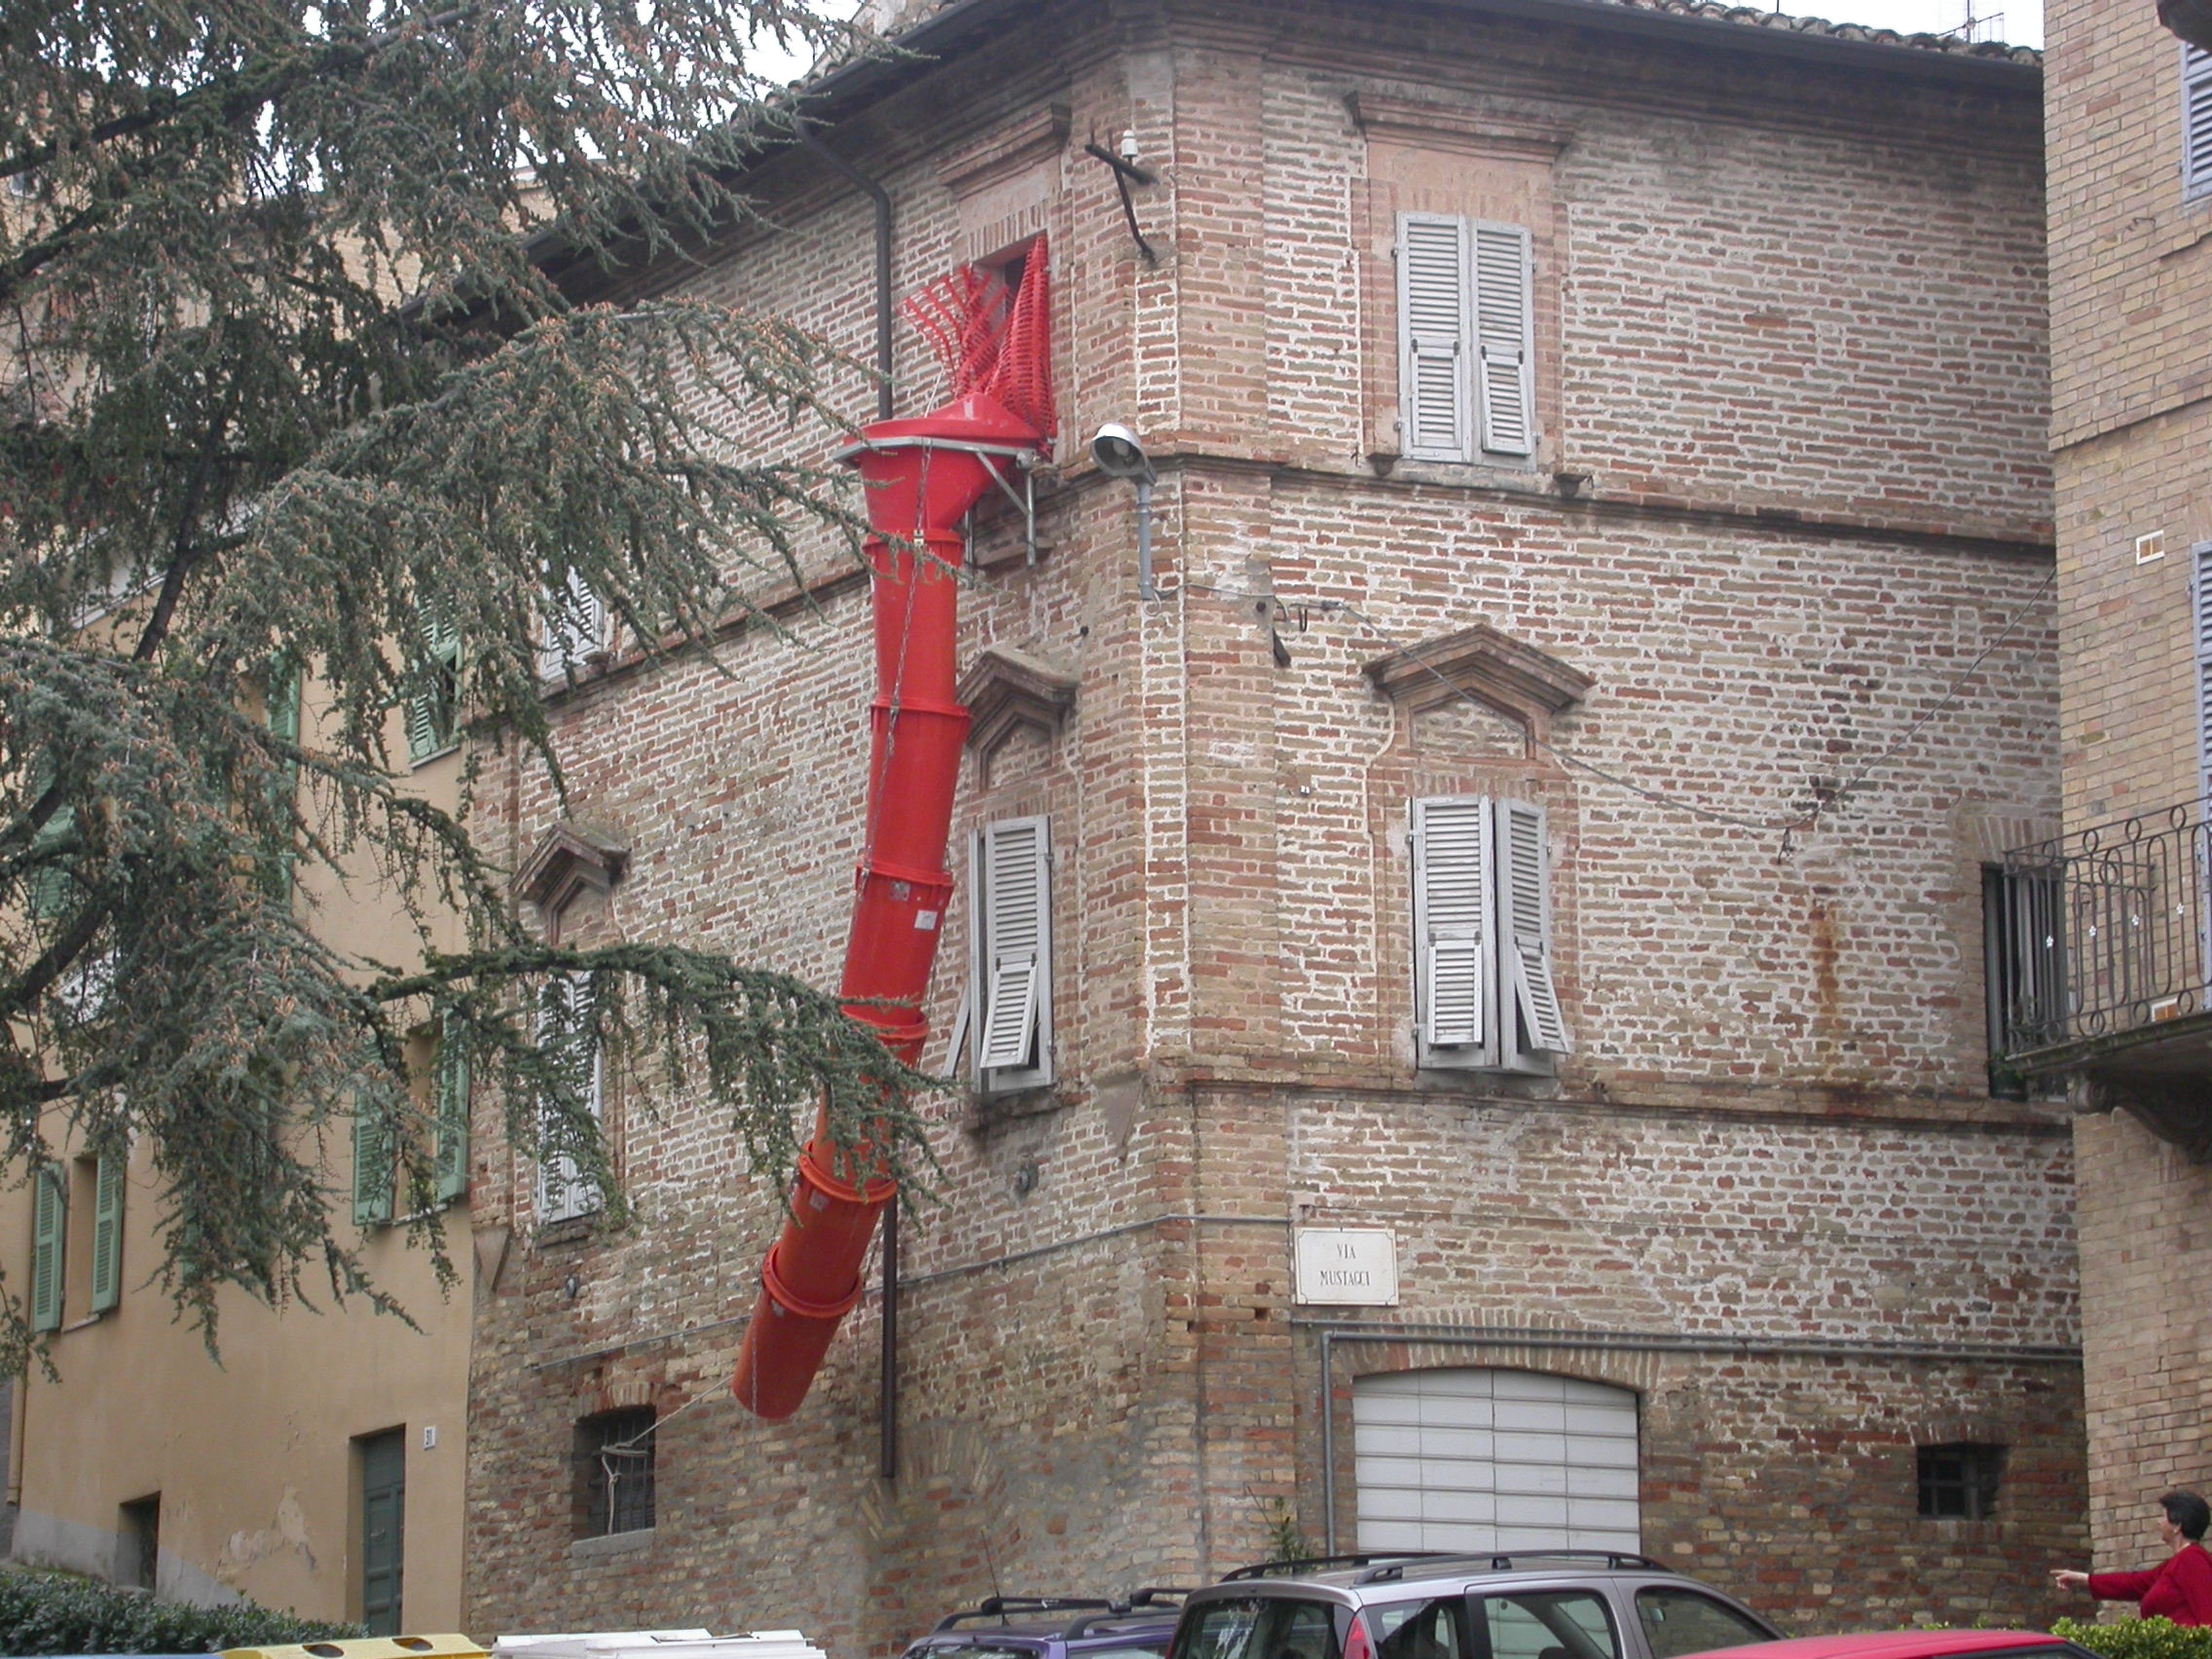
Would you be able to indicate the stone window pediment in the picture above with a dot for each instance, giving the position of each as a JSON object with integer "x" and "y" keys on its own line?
{"x": 1525, "y": 685}
{"x": 569, "y": 860}
{"x": 1007, "y": 690}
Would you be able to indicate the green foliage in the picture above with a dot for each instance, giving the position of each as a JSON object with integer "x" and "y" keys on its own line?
{"x": 59, "y": 1613}
{"x": 2138, "y": 1638}
{"x": 287, "y": 390}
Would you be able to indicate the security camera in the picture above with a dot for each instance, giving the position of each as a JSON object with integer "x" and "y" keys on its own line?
{"x": 1120, "y": 453}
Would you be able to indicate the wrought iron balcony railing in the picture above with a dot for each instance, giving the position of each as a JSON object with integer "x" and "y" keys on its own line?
{"x": 2100, "y": 932}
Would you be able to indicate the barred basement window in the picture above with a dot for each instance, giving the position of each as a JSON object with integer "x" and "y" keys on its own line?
{"x": 614, "y": 1472}
{"x": 1959, "y": 1483}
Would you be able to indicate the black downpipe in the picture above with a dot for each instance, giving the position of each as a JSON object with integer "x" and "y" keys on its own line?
{"x": 887, "y": 1456}
{"x": 883, "y": 293}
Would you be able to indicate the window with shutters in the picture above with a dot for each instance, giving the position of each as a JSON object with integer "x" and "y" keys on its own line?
{"x": 104, "y": 1248}
{"x": 1466, "y": 339}
{"x": 2196, "y": 122}
{"x": 50, "y": 1233}
{"x": 373, "y": 1164}
{"x": 571, "y": 1112}
{"x": 433, "y": 714}
{"x": 1010, "y": 1039}
{"x": 575, "y": 630}
{"x": 448, "y": 1087}
{"x": 1485, "y": 977}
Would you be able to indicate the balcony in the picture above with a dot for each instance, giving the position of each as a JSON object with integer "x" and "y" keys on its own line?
{"x": 2099, "y": 958}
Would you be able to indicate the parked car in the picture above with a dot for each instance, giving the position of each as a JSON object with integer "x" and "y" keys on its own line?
{"x": 1538, "y": 1604}
{"x": 1914, "y": 1645}
{"x": 1056, "y": 1627}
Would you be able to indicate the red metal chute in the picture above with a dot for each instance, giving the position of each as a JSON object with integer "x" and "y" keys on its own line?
{"x": 923, "y": 477}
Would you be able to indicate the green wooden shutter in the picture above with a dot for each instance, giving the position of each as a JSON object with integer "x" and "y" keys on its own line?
{"x": 107, "y": 1231}
{"x": 46, "y": 895}
{"x": 50, "y": 1222}
{"x": 451, "y": 1082}
{"x": 372, "y": 1170}
{"x": 433, "y": 720}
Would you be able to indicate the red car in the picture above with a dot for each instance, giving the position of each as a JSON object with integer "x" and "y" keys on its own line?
{"x": 1911, "y": 1645}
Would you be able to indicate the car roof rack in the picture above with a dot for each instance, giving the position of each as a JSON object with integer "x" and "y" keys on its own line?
{"x": 1005, "y": 1608}
{"x": 1153, "y": 1597}
{"x": 1504, "y": 1561}
{"x": 1322, "y": 1562}
{"x": 1091, "y": 1611}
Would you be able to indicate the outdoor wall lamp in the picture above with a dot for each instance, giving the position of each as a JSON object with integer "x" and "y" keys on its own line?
{"x": 1120, "y": 453}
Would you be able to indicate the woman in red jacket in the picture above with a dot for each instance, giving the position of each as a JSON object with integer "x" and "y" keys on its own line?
{"x": 2180, "y": 1587}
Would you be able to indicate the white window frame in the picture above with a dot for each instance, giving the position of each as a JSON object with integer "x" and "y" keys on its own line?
{"x": 2195, "y": 122}
{"x": 1010, "y": 978}
{"x": 1486, "y": 950}
{"x": 1466, "y": 310}
{"x": 564, "y": 1192}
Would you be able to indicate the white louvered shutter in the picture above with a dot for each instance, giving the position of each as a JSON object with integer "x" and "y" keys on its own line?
{"x": 1505, "y": 331}
{"x": 107, "y": 1231}
{"x": 1453, "y": 905}
{"x": 1015, "y": 953}
{"x": 50, "y": 1225}
{"x": 2196, "y": 120}
{"x": 1529, "y": 924}
{"x": 2201, "y": 603}
{"x": 1433, "y": 350}
{"x": 575, "y": 629}
{"x": 565, "y": 1029}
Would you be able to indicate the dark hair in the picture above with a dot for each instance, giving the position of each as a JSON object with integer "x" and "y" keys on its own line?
{"x": 2188, "y": 1511}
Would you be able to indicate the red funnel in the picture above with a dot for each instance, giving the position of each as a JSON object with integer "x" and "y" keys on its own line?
{"x": 923, "y": 475}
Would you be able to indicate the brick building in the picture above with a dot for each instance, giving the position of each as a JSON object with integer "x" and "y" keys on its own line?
{"x": 1602, "y": 534}
{"x": 2103, "y": 943}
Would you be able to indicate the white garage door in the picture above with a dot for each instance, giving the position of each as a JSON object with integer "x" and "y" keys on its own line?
{"x": 1474, "y": 1459}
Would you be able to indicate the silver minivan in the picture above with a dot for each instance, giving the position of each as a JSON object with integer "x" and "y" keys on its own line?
{"x": 1546, "y": 1604}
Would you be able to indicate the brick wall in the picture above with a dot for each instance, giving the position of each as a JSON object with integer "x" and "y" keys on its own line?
{"x": 1774, "y": 1125}
{"x": 2131, "y": 287}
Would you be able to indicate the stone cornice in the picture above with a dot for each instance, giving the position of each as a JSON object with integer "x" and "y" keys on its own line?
{"x": 1005, "y": 152}
{"x": 1454, "y": 127}
{"x": 568, "y": 859}
{"x": 1484, "y": 663}
{"x": 1006, "y": 690}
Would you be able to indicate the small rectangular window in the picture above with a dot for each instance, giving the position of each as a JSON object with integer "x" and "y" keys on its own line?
{"x": 568, "y": 1033}
{"x": 139, "y": 1543}
{"x": 1959, "y": 1483}
{"x": 574, "y": 632}
{"x": 614, "y": 1472}
{"x": 2023, "y": 940}
{"x": 1486, "y": 992}
{"x": 1467, "y": 337}
{"x": 2196, "y": 120}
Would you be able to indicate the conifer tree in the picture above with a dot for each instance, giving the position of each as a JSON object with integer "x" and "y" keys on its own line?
{"x": 287, "y": 393}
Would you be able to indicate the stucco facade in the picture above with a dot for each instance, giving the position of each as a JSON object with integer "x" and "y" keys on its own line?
{"x": 1788, "y": 485}
{"x": 247, "y": 1466}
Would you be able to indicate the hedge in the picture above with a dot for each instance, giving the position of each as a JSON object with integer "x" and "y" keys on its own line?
{"x": 2138, "y": 1638}
{"x": 61, "y": 1614}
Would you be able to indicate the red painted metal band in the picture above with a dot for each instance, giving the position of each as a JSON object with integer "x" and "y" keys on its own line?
{"x": 772, "y": 1281}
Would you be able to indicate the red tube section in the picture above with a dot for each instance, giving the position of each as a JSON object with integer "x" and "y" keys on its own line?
{"x": 923, "y": 477}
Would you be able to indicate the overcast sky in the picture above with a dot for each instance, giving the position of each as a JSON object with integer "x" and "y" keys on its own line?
{"x": 2022, "y": 24}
